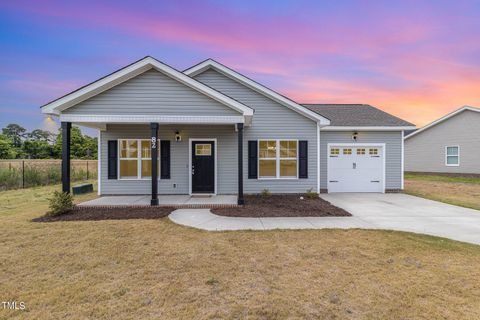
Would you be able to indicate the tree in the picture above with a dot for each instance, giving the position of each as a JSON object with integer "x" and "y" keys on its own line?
{"x": 81, "y": 146}
{"x": 16, "y": 133}
{"x": 41, "y": 135}
{"x": 7, "y": 151}
{"x": 37, "y": 149}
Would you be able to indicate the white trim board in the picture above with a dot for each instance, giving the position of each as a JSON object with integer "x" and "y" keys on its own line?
{"x": 356, "y": 145}
{"x": 232, "y": 74}
{"x": 99, "y": 162}
{"x": 57, "y": 106}
{"x": 448, "y": 116}
{"x": 402, "y": 181}
{"x": 369, "y": 128}
{"x": 189, "y": 169}
{"x": 135, "y": 118}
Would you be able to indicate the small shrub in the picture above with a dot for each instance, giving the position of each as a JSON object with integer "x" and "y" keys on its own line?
{"x": 311, "y": 194}
{"x": 60, "y": 203}
{"x": 265, "y": 193}
{"x": 212, "y": 281}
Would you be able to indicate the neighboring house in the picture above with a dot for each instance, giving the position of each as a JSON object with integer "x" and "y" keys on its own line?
{"x": 450, "y": 144}
{"x": 216, "y": 131}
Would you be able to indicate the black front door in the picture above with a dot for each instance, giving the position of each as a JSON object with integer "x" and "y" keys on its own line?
{"x": 203, "y": 167}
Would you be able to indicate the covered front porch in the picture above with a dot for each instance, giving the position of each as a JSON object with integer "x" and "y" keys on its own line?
{"x": 174, "y": 201}
{"x": 171, "y": 163}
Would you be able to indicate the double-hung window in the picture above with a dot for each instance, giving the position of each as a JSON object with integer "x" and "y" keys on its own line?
{"x": 452, "y": 156}
{"x": 278, "y": 159}
{"x": 135, "y": 160}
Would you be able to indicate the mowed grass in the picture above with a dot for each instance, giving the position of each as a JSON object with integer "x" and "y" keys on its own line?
{"x": 154, "y": 269}
{"x": 460, "y": 191}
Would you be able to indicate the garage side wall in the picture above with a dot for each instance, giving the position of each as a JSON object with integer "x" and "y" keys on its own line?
{"x": 393, "y": 153}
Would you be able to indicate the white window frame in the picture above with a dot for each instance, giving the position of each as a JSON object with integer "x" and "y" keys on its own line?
{"x": 451, "y": 155}
{"x": 277, "y": 160}
{"x": 139, "y": 159}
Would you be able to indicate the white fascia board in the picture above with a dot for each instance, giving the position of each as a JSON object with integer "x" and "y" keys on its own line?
{"x": 451, "y": 114}
{"x": 370, "y": 128}
{"x": 57, "y": 106}
{"x": 205, "y": 65}
{"x": 91, "y": 119}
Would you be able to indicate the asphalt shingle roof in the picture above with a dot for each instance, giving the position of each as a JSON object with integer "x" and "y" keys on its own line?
{"x": 356, "y": 115}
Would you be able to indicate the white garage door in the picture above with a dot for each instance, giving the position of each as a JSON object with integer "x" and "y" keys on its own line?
{"x": 355, "y": 168}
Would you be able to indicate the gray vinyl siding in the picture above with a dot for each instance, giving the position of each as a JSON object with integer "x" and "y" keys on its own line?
{"x": 179, "y": 153}
{"x": 270, "y": 121}
{"x": 393, "y": 152}
{"x": 425, "y": 152}
{"x": 151, "y": 92}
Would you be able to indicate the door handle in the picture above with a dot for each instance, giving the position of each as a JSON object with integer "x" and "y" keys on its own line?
{"x": 193, "y": 170}
{"x": 354, "y": 165}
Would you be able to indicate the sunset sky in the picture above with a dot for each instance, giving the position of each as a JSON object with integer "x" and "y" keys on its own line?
{"x": 415, "y": 59}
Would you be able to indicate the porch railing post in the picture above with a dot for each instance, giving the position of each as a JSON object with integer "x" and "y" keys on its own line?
{"x": 66, "y": 129}
{"x": 241, "y": 201}
{"x": 154, "y": 153}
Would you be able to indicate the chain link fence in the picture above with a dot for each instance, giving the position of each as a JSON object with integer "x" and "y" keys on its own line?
{"x": 17, "y": 174}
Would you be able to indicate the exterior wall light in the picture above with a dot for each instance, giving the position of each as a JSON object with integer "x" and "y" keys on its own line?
{"x": 178, "y": 137}
{"x": 354, "y": 136}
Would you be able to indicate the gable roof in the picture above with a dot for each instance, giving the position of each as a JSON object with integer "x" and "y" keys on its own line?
{"x": 358, "y": 115}
{"x": 58, "y": 105}
{"x": 232, "y": 74}
{"x": 446, "y": 117}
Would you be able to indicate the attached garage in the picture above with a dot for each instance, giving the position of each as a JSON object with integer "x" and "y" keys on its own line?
{"x": 356, "y": 168}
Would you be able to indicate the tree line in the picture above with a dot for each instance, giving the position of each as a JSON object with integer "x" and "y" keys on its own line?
{"x": 17, "y": 143}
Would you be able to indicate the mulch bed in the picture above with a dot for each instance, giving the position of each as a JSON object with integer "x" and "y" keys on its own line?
{"x": 112, "y": 213}
{"x": 283, "y": 206}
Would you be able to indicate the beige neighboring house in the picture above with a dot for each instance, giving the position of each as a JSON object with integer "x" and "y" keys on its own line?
{"x": 450, "y": 144}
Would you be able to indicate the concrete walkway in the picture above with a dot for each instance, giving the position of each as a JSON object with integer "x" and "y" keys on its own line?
{"x": 165, "y": 200}
{"x": 370, "y": 211}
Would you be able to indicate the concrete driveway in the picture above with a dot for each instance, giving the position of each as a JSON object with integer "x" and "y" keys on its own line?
{"x": 370, "y": 211}
{"x": 408, "y": 213}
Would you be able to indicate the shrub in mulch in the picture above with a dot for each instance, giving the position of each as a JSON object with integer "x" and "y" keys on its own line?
{"x": 108, "y": 213}
{"x": 283, "y": 206}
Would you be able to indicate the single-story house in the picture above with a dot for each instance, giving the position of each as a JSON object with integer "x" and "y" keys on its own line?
{"x": 450, "y": 144}
{"x": 212, "y": 130}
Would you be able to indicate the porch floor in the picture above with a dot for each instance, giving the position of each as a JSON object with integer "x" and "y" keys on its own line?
{"x": 177, "y": 201}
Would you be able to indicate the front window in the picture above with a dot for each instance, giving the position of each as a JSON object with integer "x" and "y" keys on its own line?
{"x": 452, "y": 156}
{"x": 278, "y": 158}
{"x": 135, "y": 160}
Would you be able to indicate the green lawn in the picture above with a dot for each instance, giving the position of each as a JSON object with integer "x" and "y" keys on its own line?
{"x": 155, "y": 269}
{"x": 460, "y": 191}
{"x": 423, "y": 177}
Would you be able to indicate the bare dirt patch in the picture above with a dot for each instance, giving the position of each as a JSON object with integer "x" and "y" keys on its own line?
{"x": 96, "y": 213}
{"x": 283, "y": 206}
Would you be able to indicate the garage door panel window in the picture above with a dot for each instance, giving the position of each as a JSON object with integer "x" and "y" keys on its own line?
{"x": 452, "y": 156}
{"x": 360, "y": 151}
{"x": 135, "y": 160}
{"x": 278, "y": 159}
{"x": 347, "y": 151}
{"x": 334, "y": 152}
{"x": 373, "y": 151}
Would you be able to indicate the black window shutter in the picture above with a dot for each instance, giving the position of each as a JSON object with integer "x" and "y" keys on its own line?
{"x": 303, "y": 159}
{"x": 164, "y": 159}
{"x": 112, "y": 159}
{"x": 252, "y": 159}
